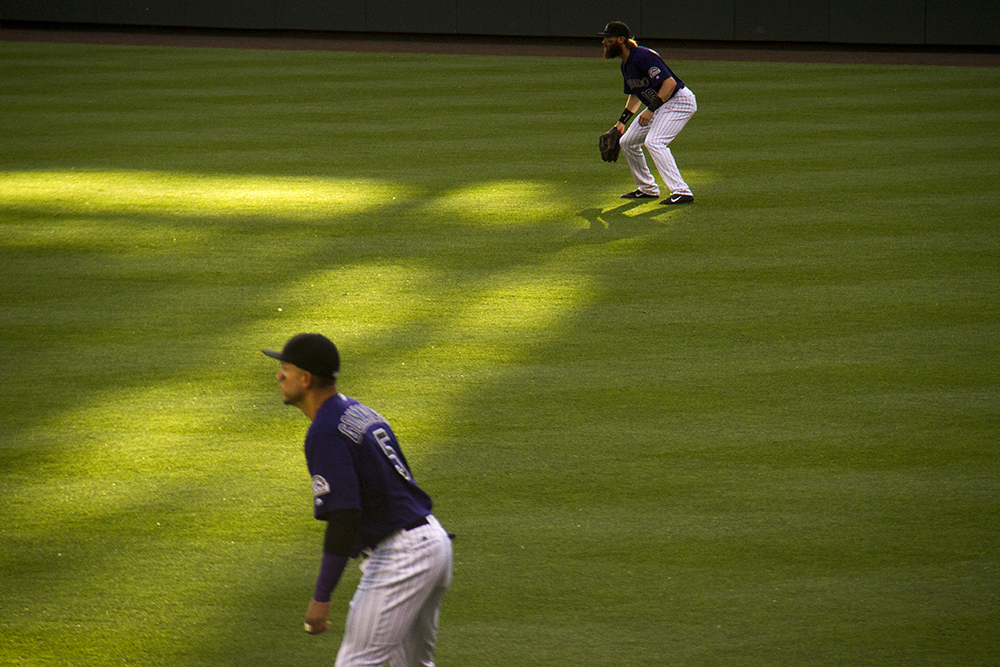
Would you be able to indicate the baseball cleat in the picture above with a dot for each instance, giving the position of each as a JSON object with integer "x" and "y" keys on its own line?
{"x": 639, "y": 194}
{"x": 678, "y": 199}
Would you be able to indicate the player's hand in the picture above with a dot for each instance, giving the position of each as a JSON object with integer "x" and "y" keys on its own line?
{"x": 316, "y": 617}
{"x": 645, "y": 118}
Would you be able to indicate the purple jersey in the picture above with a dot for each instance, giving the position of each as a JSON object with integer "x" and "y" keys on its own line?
{"x": 645, "y": 72}
{"x": 356, "y": 463}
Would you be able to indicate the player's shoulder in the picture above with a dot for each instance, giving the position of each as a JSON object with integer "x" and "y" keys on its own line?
{"x": 647, "y": 53}
{"x": 357, "y": 419}
{"x": 332, "y": 408}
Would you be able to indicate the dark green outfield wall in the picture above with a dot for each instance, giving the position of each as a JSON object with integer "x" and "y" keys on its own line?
{"x": 902, "y": 22}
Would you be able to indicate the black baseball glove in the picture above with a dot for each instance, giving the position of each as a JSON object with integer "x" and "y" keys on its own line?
{"x": 608, "y": 143}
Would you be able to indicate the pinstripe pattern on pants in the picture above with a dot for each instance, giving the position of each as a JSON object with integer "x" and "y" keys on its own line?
{"x": 394, "y": 614}
{"x": 667, "y": 122}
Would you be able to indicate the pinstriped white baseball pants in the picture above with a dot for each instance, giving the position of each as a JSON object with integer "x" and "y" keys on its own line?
{"x": 668, "y": 121}
{"x": 394, "y": 613}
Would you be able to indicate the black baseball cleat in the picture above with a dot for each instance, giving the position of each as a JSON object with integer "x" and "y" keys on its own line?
{"x": 678, "y": 199}
{"x": 639, "y": 194}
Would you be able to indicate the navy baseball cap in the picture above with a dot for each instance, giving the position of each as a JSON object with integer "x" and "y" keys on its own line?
{"x": 311, "y": 352}
{"x": 616, "y": 29}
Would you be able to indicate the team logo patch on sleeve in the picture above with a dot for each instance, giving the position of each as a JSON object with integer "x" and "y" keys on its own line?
{"x": 654, "y": 72}
{"x": 320, "y": 486}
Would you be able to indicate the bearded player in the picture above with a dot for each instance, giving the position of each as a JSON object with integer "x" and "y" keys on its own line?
{"x": 669, "y": 105}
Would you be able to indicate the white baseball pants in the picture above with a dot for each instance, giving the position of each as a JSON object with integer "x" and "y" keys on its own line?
{"x": 394, "y": 614}
{"x": 667, "y": 122}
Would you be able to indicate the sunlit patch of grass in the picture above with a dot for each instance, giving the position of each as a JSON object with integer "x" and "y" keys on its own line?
{"x": 191, "y": 195}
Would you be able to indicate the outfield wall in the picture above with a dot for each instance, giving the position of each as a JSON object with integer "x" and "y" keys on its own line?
{"x": 898, "y": 22}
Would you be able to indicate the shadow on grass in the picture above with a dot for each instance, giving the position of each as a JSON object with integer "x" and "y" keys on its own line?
{"x": 613, "y": 224}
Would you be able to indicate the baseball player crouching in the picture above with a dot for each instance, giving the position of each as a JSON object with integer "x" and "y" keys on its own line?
{"x": 669, "y": 106}
{"x": 363, "y": 489}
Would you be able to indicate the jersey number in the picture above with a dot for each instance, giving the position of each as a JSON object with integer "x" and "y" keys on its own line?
{"x": 385, "y": 442}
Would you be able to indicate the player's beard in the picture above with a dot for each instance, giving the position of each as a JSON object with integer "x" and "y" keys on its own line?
{"x": 612, "y": 51}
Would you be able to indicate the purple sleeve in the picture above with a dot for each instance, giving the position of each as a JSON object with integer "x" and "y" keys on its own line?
{"x": 334, "y": 479}
{"x": 329, "y": 574}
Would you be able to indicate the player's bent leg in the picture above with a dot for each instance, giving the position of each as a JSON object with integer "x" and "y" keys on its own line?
{"x": 666, "y": 125}
{"x": 359, "y": 648}
{"x": 402, "y": 579}
{"x": 631, "y": 144}
{"x": 417, "y": 649}
{"x": 669, "y": 172}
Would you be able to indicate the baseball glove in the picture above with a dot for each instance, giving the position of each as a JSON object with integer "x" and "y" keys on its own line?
{"x": 608, "y": 143}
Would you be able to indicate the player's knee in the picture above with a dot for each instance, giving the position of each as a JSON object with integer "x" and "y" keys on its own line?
{"x": 657, "y": 143}
{"x": 629, "y": 143}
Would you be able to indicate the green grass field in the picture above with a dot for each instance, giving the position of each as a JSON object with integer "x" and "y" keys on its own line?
{"x": 757, "y": 431}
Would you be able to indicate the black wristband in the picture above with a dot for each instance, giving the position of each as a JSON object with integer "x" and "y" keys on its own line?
{"x": 656, "y": 103}
{"x": 625, "y": 116}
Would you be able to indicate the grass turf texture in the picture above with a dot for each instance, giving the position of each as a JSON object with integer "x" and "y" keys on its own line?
{"x": 756, "y": 431}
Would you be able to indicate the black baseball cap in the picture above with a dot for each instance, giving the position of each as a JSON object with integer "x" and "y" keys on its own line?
{"x": 311, "y": 352}
{"x": 616, "y": 29}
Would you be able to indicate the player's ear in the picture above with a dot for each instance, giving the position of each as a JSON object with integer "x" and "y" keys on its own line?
{"x": 307, "y": 379}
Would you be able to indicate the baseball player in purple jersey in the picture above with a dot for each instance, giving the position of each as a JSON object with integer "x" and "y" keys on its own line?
{"x": 363, "y": 489}
{"x": 669, "y": 106}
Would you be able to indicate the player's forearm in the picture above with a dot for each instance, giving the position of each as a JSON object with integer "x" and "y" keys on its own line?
{"x": 667, "y": 89}
{"x": 341, "y": 529}
{"x": 329, "y": 575}
{"x": 319, "y": 607}
{"x": 631, "y": 106}
{"x": 663, "y": 94}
